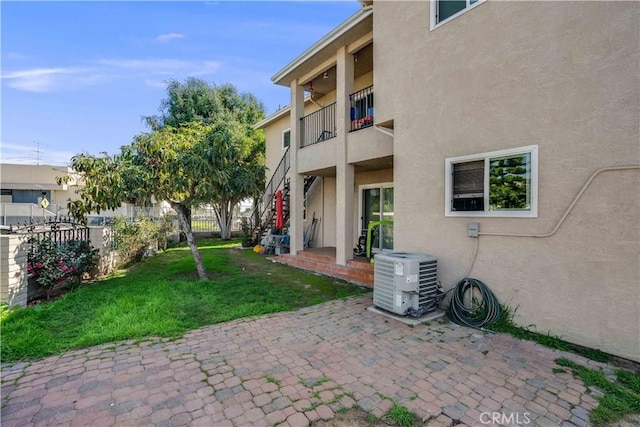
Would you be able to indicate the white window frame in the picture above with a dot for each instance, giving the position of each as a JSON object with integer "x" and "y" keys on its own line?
{"x": 282, "y": 140}
{"x": 434, "y": 12}
{"x": 448, "y": 196}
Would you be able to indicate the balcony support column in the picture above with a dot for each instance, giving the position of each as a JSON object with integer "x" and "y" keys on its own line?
{"x": 345, "y": 174}
{"x": 296, "y": 197}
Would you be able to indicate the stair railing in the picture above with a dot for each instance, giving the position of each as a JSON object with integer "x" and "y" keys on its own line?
{"x": 263, "y": 208}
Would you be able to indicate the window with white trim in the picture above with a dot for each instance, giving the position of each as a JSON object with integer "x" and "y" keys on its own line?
{"x": 286, "y": 138}
{"x": 445, "y": 10}
{"x": 499, "y": 183}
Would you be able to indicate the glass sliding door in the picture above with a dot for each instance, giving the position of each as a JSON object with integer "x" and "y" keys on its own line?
{"x": 377, "y": 205}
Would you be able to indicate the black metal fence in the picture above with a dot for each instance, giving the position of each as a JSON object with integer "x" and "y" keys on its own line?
{"x": 57, "y": 229}
{"x": 318, "y": 126}
{"x": 361, "y": 108}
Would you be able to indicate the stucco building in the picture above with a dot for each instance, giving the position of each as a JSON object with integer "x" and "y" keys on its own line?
{"x": 522, "y": 117}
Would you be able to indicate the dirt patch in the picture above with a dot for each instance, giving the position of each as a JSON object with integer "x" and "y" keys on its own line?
{"x": 632, "y": 420}
{"x": 350, "y": 418}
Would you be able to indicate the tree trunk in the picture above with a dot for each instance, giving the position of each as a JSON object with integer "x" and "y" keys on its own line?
{"x": 256, "y": 212}
{"x": 191, "y": 241}
{"x": 224, "y": 216}
{"x": 187, "y": 213}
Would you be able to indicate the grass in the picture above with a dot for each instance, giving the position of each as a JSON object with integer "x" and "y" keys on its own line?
{"x": 162, "y": 297}
{"x": 273, "y": 380}
{"x": 506, "y": 325}
{"x": 401, "y": 416}
{"x": 621, "y": 397}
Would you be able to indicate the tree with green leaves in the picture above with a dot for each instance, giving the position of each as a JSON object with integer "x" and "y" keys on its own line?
{"x": 198, "y": 101}
{"x": 177, "y": 165}
{"x": 216, "y": 158}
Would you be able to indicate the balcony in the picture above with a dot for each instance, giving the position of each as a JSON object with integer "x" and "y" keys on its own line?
{"x": 318, "y": 126}
{"x": 361, "y": 108}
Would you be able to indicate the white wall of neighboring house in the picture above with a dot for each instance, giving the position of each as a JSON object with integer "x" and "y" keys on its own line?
{"x": 23, "y": 187}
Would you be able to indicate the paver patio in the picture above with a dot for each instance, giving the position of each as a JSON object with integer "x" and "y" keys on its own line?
{"x": 298, "y": 367}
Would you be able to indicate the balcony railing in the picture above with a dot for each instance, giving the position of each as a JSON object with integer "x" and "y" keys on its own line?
{"x": 318, "y": 126}
{"x": 361, "y": 108}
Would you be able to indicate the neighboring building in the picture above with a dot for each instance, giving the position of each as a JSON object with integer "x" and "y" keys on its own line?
{"x": 523, "y": 117}
{"x": 23, "y": 188}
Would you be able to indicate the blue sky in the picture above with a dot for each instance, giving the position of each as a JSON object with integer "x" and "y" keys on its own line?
{"x": 78, "y": 76}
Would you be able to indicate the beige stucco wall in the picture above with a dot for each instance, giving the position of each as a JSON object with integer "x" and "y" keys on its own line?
{"x": 315, "y": 157}
{"x": 316, "y": 205}
{"x": 322, "y": 200}
{"x": 13, "y": 269}
{"x": 273, "y": 144}
{"x": 368, "y": 143}
{"x": 329, "y": 212}
{"x": 562, "y": 75}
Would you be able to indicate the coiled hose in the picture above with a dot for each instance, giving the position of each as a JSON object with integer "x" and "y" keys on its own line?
{"x": 478, "y": 309}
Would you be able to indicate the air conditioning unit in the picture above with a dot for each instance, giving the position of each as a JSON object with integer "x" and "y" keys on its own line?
{"x": 406, "y": 283}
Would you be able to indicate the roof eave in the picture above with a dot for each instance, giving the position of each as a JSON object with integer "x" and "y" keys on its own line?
{"x": 278, "y": 115}
{"x": 337, "y": 32}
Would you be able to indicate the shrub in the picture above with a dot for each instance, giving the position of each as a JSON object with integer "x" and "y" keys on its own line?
{"x": 134, "y": 237}
{"x": 59, "y": 264}
{"x": 247, "y": 238}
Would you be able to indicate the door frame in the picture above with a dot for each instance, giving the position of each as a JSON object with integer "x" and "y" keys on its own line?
{"x": 361, "y": 188}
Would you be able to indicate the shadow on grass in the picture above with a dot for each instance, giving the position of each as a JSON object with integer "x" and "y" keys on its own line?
{"x": 161, "y": 297}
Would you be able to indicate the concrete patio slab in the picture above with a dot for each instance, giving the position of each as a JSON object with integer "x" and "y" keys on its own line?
{"x": 408, "y": 320}
{"x": 295, "y": 368}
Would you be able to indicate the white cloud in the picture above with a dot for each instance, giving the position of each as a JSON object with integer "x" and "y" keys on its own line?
{"x": 43, "y": 79}
{"x": 63, "y": 78}
{"x": 164, "y": 38}
{"x": 155, "y": 83}
{"x": 32, "y": 154}
{"x": 16, "y": 56}
{"x": 169, "y": 67}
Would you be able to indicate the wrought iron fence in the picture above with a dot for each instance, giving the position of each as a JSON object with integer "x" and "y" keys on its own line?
{"x": 361, "y": 108}
{"x": 204, "y": 220}
{"x": 318, "y": 126}
{"x": 58, "y": 229}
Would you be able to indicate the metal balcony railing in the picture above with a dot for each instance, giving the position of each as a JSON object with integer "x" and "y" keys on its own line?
{"x": 318, "y": 126}
{"x": 361, "y": 108}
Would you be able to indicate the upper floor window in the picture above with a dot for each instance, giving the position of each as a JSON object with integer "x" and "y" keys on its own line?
{"x": 286, "y": 139}
{"x": 500, "y": 183}
{"x": 444, "y": 10}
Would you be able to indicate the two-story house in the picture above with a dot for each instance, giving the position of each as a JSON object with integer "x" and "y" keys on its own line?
{"x": 520, "y": 118}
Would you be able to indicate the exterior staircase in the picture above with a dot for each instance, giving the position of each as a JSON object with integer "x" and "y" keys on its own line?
{"x": 323, "y": 261}
{"x": 265, "y": 210}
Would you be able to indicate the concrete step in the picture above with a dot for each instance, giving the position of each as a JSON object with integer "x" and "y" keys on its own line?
{"x": 320, "y": 264}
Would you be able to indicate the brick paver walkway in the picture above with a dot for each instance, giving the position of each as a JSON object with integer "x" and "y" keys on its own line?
{"x": 295, "y": 368}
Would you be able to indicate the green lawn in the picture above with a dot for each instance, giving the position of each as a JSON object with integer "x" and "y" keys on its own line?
{"x": 162, "y": 297}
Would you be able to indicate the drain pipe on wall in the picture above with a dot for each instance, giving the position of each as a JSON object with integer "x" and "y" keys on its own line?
{"x": 384, "y": 130}
{"x": 562, "y": 219}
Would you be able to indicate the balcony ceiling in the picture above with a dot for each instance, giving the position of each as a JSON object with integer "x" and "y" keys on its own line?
{"x": 362, "y": 65}
{"x": 353, "y": 29}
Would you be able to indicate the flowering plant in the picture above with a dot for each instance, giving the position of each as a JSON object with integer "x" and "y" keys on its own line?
{"x": 56, "y": 264}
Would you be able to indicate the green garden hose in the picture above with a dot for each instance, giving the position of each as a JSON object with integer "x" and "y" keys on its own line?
{"x": 473, "y": 304}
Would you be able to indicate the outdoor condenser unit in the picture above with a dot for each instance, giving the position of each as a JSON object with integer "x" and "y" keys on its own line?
{"x": 405, "y": 283}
